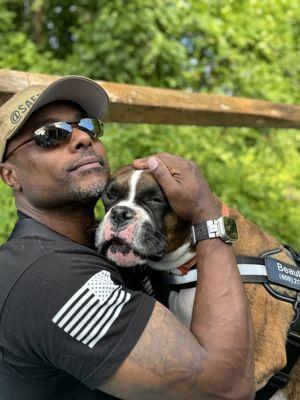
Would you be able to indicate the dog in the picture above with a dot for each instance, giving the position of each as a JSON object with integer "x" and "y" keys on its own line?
{"x": 140, "y": 228}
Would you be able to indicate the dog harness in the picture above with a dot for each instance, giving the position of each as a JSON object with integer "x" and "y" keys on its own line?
{"x": 263, "y": 270}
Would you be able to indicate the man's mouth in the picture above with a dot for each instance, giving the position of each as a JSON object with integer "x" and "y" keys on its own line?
{"x": 87, "y": 164}
{"x": 91, "y": 165}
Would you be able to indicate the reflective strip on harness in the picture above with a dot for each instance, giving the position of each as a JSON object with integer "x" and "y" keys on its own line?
{"x": 246, "y": 270}
{"x": 252, "y": 269}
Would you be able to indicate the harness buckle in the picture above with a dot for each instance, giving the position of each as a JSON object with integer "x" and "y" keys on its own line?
{"x": 296, "y": 307}
{"x": 295, "y": 254}
{"x": 295, "y": 325}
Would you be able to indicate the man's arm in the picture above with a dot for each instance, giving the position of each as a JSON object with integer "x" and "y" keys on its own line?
{"x": 215, "y": 359}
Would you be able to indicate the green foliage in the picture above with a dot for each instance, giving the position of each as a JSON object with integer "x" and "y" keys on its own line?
{"x": 257, "y": 173}
{"x": 8, "y": 214}
{"x": 235, "y": 47}
{"x": 137, "y": 43}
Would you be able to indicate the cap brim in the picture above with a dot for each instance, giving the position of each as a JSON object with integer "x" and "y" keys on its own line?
{"x": 83, "y": 91}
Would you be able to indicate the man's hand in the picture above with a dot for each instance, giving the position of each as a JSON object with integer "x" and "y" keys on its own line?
{"x": 182, "y": 182}
{"x": 214, "y": 360}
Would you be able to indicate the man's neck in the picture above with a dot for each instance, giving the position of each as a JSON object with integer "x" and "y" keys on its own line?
{"x": 75, "y": 223}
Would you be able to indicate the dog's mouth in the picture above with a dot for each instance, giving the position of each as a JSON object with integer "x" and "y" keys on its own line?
{"x": 117, "y": 244}
{"x": 122, "y": 253}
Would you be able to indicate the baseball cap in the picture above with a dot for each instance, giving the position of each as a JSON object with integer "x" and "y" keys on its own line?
{"x": 79, "y": 89}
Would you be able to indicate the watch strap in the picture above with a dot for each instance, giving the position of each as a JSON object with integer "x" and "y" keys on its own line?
{"x": 199, "y": 232}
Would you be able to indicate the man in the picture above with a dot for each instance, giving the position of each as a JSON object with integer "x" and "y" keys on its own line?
{"x": 70, "y": 327}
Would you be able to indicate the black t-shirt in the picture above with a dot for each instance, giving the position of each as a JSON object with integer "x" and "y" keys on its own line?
{"x": 68, "y": 321}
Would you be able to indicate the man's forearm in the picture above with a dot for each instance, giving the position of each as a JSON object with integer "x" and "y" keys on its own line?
{"x": 221, "y": 318}
{"x": 220, "y": 323}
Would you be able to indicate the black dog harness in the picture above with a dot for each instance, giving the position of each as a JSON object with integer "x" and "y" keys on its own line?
{"x": 263, "y": 270}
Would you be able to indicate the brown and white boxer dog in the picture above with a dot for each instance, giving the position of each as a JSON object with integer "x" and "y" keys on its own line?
{"x": 140, "y": 228}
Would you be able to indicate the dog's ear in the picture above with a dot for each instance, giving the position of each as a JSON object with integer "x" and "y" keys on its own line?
{"x": 176, "y": 231}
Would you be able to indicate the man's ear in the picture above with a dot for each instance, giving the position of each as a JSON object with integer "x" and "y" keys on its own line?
{"x": 8, "y": 173}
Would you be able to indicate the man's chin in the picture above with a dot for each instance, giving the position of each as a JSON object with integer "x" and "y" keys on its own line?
{"x": 87, "y": 194}
{"x": 89, "y": 188}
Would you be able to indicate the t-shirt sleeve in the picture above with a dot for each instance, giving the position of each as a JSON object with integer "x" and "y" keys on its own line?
{"x": 74, "y": 314}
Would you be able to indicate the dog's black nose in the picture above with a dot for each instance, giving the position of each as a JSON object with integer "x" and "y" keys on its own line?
{"x": 120, "y": 216}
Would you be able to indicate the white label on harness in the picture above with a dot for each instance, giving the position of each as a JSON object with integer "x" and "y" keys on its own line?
{"x": 283, "y": 274}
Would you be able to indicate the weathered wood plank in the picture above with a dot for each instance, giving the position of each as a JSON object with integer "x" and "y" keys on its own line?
{"x": 139, "y": 104}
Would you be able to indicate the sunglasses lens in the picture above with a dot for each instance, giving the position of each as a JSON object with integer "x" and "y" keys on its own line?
{"x": 60, "y": 132}
{"x": 51, "y": 135}
{"x": 92, "y": 126}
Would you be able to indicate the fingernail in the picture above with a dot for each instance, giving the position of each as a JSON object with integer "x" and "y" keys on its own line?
{"x": 152, "y": 163}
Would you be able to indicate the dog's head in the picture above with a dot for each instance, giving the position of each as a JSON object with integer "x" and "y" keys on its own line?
{"x": 138, "y": 224}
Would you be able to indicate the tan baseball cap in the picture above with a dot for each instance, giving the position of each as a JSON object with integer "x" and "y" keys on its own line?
{"x": 83, "y": 91}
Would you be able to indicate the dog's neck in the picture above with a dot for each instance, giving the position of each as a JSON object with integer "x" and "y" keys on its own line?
{"x": 175, "y": 259}
{"x": 184, "y": 251}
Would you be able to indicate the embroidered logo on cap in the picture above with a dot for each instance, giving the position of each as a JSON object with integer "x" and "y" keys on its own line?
{"x": 16, "y": 115}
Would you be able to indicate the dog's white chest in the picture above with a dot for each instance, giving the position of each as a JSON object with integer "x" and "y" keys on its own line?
{"x": 181, "y": 304}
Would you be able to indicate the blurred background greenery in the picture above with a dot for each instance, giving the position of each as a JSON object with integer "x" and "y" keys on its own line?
{"x": 232, "y": 47}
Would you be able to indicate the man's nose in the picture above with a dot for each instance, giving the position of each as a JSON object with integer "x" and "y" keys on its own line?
{"x": 121, "y": 216}
{"x": 79, "y": 139}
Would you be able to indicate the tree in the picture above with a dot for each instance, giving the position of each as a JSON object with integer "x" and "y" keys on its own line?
{"x": 234, "y": 47}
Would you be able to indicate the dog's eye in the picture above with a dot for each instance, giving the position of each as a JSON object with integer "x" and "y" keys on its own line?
{"x": 154, "y": 199}
{"x": 111, "y": 195}
{"x": 108, "y": 195}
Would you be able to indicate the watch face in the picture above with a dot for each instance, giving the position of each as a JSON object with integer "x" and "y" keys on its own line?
{"x": 230, "y": 229}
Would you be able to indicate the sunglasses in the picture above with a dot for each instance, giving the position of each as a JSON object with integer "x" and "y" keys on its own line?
{"x": 51, "y": 135}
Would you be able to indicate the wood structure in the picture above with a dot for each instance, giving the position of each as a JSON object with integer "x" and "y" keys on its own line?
{"x": 139, "y": 104}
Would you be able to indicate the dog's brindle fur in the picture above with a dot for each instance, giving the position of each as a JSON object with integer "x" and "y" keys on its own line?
{"x": 153, "y": 230}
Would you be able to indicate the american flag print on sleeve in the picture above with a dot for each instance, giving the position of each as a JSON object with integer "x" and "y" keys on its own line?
{"x": 92, "y": 310}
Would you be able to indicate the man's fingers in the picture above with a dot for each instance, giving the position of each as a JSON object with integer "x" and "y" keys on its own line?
{"x": 141, "y": 163}
{"x": 152, "y": 163}
{"x": 162, "y": 174}
{"x": 161, "y": 166}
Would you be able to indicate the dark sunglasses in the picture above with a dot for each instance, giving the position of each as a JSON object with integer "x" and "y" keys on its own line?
{"x": 56, "y": 133}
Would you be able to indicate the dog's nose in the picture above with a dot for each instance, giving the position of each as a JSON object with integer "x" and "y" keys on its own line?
{"x": 120, "y": 216}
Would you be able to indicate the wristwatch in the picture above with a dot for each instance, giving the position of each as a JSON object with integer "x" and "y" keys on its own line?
{"x": 223, "y": 227}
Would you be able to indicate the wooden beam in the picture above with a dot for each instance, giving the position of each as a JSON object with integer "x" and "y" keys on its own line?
{"x": 140, "y": 104}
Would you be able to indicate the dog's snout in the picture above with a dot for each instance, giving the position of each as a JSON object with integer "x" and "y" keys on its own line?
{"x": 121, "y": 216}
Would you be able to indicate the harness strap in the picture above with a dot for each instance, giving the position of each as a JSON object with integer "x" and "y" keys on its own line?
{"x": 251, "y": 269}
{"x": 185, "y": 268}
{"x": 275, "y": 383}
{"x": 281, "y": 378}
{"x": 261, "y": 270}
